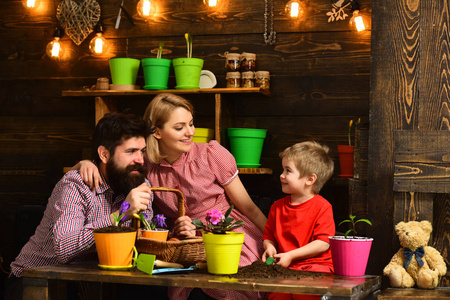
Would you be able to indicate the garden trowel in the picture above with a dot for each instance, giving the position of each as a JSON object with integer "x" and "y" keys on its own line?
{"x": 146, "y": 263}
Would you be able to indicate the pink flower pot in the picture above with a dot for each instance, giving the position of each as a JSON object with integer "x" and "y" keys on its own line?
{"x": 350, "y": 255}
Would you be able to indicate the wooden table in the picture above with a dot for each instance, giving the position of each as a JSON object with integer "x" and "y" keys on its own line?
{"x": 42, "y": 280}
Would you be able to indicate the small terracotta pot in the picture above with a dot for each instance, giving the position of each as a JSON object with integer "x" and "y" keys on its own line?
{"x": 158, "y": 234}
{"x": 346, "y": 160}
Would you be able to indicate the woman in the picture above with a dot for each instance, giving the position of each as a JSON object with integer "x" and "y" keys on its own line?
{"x": 206, "y": 174}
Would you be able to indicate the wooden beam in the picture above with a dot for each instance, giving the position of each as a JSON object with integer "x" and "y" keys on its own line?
{"x": 422, "y": 161}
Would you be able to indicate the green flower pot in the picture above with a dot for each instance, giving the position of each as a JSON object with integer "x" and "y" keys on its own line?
{"x": 156, "y": 73}
{"x": 187, "y": 72}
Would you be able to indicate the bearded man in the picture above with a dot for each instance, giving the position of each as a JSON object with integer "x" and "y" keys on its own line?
{"x": 74, "y": 211}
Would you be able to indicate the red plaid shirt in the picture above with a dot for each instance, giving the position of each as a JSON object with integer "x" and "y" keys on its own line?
{"x": 65, "y": 233}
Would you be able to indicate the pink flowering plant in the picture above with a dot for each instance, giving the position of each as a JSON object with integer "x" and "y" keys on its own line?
{"x": 218, "y": 223}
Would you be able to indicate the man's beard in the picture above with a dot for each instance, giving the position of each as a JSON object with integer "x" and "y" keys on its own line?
{"x": 121, "y": 180}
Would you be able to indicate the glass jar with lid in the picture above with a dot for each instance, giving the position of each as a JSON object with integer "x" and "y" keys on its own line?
{"x": 262, "y": 79}
{"x": 248, "y": 79}
{"x": 248, "y": 62}
{"x": 233, "y": 79}
{"x": 232, "y": 62}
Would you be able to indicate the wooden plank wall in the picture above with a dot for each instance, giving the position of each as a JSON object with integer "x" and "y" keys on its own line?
{"x": 319, "y": 79}
{"x": 409, "y": 84}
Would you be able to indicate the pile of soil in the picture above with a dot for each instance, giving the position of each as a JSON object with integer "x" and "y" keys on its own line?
{"x": 259, "y": 269}
{"x": 114, "y": 229}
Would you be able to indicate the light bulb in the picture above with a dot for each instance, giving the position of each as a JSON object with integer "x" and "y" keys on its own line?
{"x": 294, "y": 9}
{"x": 211, "y": 3}
{"x": 98, "y": 45}
{"x": 30, "y": 3}
{"x": 358, "y": 22}
{"x": 146, "y": 8}
{"x": 54, "y": 49}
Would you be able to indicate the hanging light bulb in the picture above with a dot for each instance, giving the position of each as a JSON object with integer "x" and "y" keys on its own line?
{"x": 98, "y": 45}
{"x": 211, "y": 3}
{"x": 358, "y": 22}
{"x": 54, "y": 49}
{"x": 294, "y": 9}
{"x": 146, "y": 8}
{"x": 30, "y": 3}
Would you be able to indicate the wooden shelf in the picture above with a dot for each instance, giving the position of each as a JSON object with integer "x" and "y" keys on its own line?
{"x": 105, "y": 102}
{"x": 255, "y": 171}
{"x": 108, "y": 93}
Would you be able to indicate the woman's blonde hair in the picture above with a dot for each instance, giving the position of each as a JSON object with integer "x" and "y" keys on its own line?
{"x": 157, "y": 114}
{"x": 311, "y": 158}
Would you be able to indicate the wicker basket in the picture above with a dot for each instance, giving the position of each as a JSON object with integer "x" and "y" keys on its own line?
{"x": 186, "y": 251}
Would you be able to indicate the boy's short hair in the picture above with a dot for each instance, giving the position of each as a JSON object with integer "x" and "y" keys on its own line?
{"x": 115, "y": 128}
{"x": 311, "y": 158}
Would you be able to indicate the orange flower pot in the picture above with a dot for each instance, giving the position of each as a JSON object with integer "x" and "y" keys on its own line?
{"x": 346, "y": 160}
{"x": 115, "y": 249}
{"x": 157, "y": 234}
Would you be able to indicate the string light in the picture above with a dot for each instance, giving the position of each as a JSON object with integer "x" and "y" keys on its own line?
{"x": 98, "y": 45}
{"x": 54, "y": 49}
{"x": 146, "y": 9}
{"x": 294, "y": 9}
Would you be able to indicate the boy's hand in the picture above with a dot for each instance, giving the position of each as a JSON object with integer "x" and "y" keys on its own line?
{"x": 283, "y": 259}
{"x": 270, "y": 252}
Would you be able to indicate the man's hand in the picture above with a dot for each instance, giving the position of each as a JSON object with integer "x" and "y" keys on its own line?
{"x": 139, "y": 199}
{"x": 183, "y": 227}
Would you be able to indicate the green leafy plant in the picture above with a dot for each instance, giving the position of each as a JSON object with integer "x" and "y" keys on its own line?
{"x": 352, "y": 220}
{"x": 118, "y": 219}
{"x": 188, "y": 38}
{"x": 218, "y": 223}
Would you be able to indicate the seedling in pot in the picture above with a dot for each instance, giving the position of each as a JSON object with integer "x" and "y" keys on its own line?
{"x": 352, "y": 219}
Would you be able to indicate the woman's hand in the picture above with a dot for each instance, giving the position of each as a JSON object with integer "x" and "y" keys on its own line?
{"x": 89, "y": 173}
{"x": 183, "y": 227}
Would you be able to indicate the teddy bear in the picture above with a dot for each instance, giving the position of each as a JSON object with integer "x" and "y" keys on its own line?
{"x": 415, "y": 262}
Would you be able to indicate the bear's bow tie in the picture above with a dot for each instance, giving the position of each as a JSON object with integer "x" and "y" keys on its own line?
{"x": 419, "y": 253}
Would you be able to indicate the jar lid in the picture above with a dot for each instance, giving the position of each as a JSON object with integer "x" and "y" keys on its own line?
{"x": 249, "y": 55}
{"x": 248, "y": 75}
{"x": 233, "y": 56}
{"x": 233, "y": 75}
{"x": 262, "y": 74}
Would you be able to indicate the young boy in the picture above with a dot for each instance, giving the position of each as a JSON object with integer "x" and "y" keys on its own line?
{"x": 297, "y": 230}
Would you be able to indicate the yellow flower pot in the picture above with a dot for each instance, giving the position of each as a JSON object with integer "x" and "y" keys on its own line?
{"x": 223, "y": 251}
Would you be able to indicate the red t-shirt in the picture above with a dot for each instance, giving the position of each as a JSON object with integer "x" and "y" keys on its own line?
{"x": 294, "y": 226}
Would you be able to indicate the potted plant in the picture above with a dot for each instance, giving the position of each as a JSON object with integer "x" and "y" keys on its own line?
{"x": 115, "y": 245}
{"x": 188, "y": 69}
{"x": 156, "y": 228}
{"x": 156, "y": 70}
{"x": 222, "y": 246}
{"x": 346, "y": 155}
{"x": 350, "y": 253}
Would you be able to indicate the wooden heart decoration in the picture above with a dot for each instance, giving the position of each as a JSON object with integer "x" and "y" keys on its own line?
{"x": 78, "y": 20}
